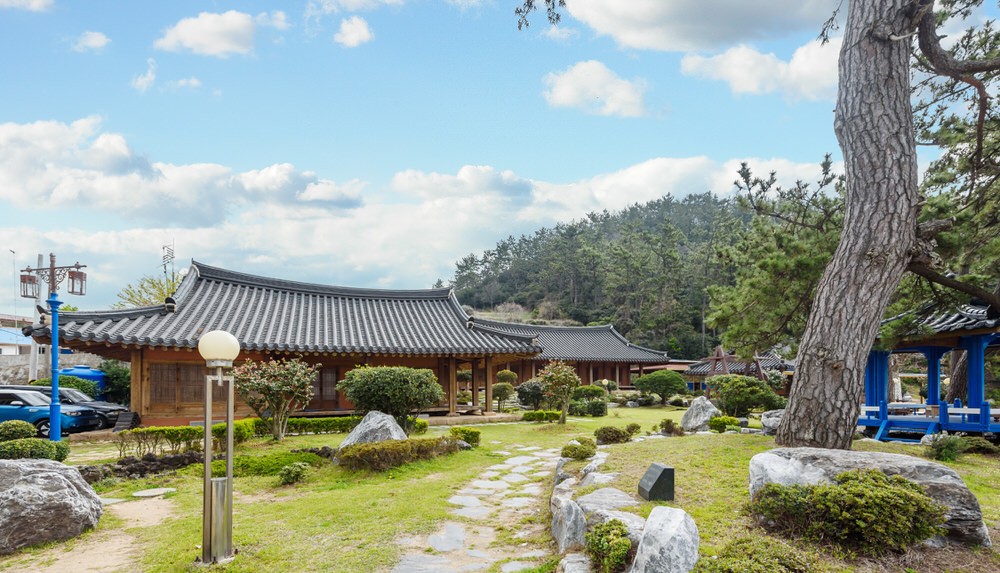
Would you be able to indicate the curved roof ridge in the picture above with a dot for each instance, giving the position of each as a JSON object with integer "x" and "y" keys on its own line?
{"x": 599, "y": 327}
{"x": 633, "y": 345}
{"x": 506, "y": 334}
{"x": 224, "y": 275}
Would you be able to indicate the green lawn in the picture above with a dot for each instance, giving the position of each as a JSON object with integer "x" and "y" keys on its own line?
{"x": 348, "y": 522}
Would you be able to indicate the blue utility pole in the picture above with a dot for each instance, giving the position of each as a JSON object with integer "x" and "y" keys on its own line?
{"x": 55, "y": 413}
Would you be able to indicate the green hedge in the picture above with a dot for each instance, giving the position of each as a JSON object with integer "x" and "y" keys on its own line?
{"x": 612, "y": 435}
{"x": 720, "y": 423}
{"x": 265, "y": 465}
{"x": 468, "y": 435}
{"x": 331, "y": 425}
{"x": 88, "y": 387}
{"x": 16, "y": 430}
{"x": 381, "y": 456}
{"x": 542, "y": 416}
{"x": 36, "y": 448}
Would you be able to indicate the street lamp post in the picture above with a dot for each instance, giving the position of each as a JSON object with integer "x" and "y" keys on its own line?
{"x": 29, "y": 289}
{"x": 219, "y": 349}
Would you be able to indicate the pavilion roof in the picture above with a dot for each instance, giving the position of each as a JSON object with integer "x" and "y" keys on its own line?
{"x": 275, "y": 315}
{"x": 768, "y": 361}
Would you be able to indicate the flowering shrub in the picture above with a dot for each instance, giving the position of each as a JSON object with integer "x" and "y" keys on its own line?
{"x": 274, "y": 388}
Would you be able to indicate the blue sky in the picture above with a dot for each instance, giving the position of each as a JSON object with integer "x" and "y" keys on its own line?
{"x": 376, "y": 142}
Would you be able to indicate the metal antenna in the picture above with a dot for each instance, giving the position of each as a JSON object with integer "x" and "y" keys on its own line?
{"x": 168, "y": 259}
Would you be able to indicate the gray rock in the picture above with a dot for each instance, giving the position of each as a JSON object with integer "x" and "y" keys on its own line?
{"x": 789, "y": 466}
{"x": 696, "y": 417}
{"x": 568, "y": 524}
{"x": 770, "y": 421}
{"x": 450, "y": 538}
{"x": 597, "y": 478}
{"x": 574, "y": 563}
{"x": 421, "y": 563}
{"x": 596, "y": 462}
{"x": 744, "y": 422}
{"x": 607, "y": 498}
{"x": 669, "y": 543}
{"x": 463, "y": 445}
{"x": 43, "y": 501}
{"x": 632, "y": 522}
{"x": 631, "y": 404}
{"x": 374, "y": 427}
{"x": 560, "y": 474}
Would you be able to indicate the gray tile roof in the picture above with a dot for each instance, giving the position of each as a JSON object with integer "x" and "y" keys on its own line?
{"x": 966, "y": 317}
{"x": 579, "y": 343}
{"x": 768, "y": 361}
{"x": 267, "y": 314}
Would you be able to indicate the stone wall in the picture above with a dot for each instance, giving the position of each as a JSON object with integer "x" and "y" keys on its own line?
{"x": 14, "y": 369}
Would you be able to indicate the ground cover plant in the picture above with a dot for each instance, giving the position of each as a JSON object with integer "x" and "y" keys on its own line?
{"x": 349, "y": 521}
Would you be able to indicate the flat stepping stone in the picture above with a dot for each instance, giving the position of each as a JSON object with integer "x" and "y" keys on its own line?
{"x": 540, "y": 474}
{"x": 533, "y": 554}
{"x": 154, "y": 492}
{"x": 499, "y": 467}
{"x": 521, "y": 469}
{"x": 512, "y": 566}
{"x": 422, "y": 563}
{"x": 528, "y": 448}
{"x": 502, "y": 453}
{"x": 489, "y": 475}
{"x": 521, "y": 460}
{"x": 597, "y": 478}
{"x": 517, "y": 502}
{"x": 490, "y": 484}
{"x": 472, "y": 512}
{"x": 514, "y": 478}
{"x": 111, "y": 500}
{"x": 452, "y": 537}
{"x": 474, "y": 491}
{"x": 532, "y": 489}
{"x": 465, "y": 501}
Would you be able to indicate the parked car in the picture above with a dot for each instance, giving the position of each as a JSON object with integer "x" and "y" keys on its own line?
{"x": 33, "y": 407}
{"x": 107, "y": 411}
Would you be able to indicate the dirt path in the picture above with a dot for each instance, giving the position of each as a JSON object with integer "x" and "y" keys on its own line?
{"x": 106, "y": 550}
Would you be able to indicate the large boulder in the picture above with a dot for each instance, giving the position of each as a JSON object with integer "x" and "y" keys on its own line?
{"x": 669, "y": 543}
{"x": 770, "y": 420}
{"x": 788, "y": 466}
{"x": 374, "y": 427}
{"x": 698, "y": 414}
{"x": 43, "y": 501}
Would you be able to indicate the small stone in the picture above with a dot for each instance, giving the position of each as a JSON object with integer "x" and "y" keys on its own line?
{"x": 156, "y": 491}
{"x": 472, "y": 512}
{"x": 465, "y": 500}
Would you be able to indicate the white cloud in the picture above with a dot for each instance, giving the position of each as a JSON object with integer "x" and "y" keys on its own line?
{"x": 685, "y": 25}
{"x": 144, "y": 81}
{"x": 346, "y": 195}
{"x": 319, "y": 8}
{"x": 31, "y": 5}
{"x": 466, "y": 4}
{"x": 354, "y": 31}
{"x": 560, "y": 33}
{"x": 276, "y": 19}
{"x": 209, "y": 34}
{"x": 594, "y": 88}
{"x": 190, "y": 83}
{"x": 810, "y": 74}
{"x": 91, "y": 42}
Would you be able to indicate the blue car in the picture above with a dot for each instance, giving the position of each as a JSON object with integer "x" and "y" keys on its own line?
{"x": 33, "y": 407}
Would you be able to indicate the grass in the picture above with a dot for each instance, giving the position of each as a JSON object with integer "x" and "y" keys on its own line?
{"x": 343, "y": 521}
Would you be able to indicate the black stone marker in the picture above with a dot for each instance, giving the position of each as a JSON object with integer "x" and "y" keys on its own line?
{"x": 658, "y": 483}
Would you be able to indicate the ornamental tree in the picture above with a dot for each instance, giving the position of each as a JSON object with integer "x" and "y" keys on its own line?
{"x": 274, "y": 389}
{"x": 740, "y": 394}
{"x": 501, "y": 393}
{"x": 559, "y": 380}
{"x": 394, "y": 390}
{"x": 531, "y": 393}
{"x": 664, "y": 383}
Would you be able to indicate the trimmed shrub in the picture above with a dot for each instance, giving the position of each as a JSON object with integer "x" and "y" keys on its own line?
{"x": 531, "y": 393}
{"x": 381, "y": 456}
{"x": 34, "y": 448}
{"x": 864, "y": 510}
{"x": 608, "y": 546}
{"x": 612, "y": 435}
{"x": 419, "y": 426}
{"x": 501, "y": 393}
{"x": 577, "y": 408}
{"x": 662, "y": 382}
{"x": 469, "y": 435}
{"x": 88, "y": 387}
{"x": 980, "y": 445}
{"x": 590, "y": 392}
{"x": 541, "y": 415}
{"x": 292, "y": 473}
{"x": 720, "y": 423}
{"x": 585, "y": 449}
{"x": 463, "y": 397}
{"x": 677, "y": 401}
{"x": 16, "y": 430}
{"x": 597, "y": 408}
{"x": 393, "y": 390}
{"x": 757, "y": 555}
{"x": 946, "y": 448}
{"x": 243, "y": 430}
{"x": 740, "y": 394}
{"x": 338, "y": 425}
{"x": 669, "y": 428}
{"x": 506, "y": 377}
{"x": 118, "y": 386}
{"x": 265, "y": 465}
{"x": 632, "y": 429}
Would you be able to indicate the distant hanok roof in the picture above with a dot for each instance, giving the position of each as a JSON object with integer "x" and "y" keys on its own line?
{"x": 579, "y": 343}
{"x": 768, "y": 361}
{"x": 276, "y": 315}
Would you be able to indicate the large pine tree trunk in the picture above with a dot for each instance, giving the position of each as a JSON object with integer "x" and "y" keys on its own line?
{"x": 875, "y": 128}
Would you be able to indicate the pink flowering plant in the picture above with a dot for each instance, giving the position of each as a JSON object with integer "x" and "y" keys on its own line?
{"x": 559, "y": 380}
{"x": 275, "y": 388}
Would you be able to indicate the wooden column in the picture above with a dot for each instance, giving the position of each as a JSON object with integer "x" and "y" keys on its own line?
{"x": 452, "y": 387}
{"x": 488, "y": 361}
{"x": 139, "y": 395}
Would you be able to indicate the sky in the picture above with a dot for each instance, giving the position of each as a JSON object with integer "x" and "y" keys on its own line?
{"x": 373, "y": 143}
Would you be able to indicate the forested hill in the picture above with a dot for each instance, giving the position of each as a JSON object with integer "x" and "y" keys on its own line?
{"x": 644, "y": 269}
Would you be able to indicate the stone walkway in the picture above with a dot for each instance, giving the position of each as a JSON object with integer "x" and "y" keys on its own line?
{"x": 493, "y": 514}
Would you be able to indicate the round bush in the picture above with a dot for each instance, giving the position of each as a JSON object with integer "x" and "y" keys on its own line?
{"x": 864, "y": 511}
{"x": 16, "y": 430}
{"x": 720, "y": 423}
{"x": 501, "y": 393}
{"x": 393, "y": 390}
{"x": 293, "y": 473}
{"x": 507, "y": 377}
{"x": 585, "y": 449}
{"x": 34, "y": 448}
{"x": 664, "y": 383}
{"x": 740, "y": 394}
{"x": 608, "y": 545}
{"x": 589, "y": 392}
{"x": 611, "y": 435}
{"x": 597, "y": 408}
{"x": 531, "y": 393}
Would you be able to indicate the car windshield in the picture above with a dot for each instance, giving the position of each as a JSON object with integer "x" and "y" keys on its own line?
{"x": 75, "y": 395}
{"x": 33, "y": 398}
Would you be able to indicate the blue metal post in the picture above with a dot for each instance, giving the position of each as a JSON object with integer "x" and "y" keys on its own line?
{"x": 933, "y": 355}
{"x": 55, "y": 413}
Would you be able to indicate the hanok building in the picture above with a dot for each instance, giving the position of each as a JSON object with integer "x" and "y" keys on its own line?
{"x": 597, "y": 352}
{"x": 720, "y": 362}
{"x": 336, "y": 327}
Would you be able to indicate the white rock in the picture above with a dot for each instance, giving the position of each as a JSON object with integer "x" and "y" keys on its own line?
{"x": 669, "y": 543}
